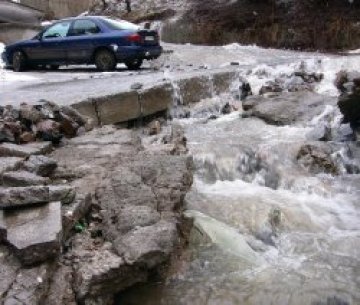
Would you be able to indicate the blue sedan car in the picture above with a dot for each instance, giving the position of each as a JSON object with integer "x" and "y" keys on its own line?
{"x": 85, "y": 40}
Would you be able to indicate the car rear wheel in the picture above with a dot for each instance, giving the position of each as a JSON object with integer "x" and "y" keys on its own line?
{"x": 134, "y": 64}
{"x": 105, "y": 60}
{"x": 19, "y": 61}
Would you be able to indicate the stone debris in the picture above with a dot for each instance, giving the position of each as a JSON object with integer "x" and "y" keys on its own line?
{"x": 63, "y": 193}
{"x": 24, "y": 151}
{"x": 18, "y": 197}
{"x": 34, "y": 233}
{"x": 45, "y": 121}
{"x": 9, "y": 163}
{"x": 23, "y": 178}
{"x": 40, "y": 165}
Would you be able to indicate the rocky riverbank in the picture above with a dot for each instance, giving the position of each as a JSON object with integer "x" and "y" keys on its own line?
{"x": 90, "y": 218}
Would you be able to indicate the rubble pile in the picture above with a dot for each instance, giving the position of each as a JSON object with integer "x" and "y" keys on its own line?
{"x": 45, "y": 121}
{"x": 300, "y": 80}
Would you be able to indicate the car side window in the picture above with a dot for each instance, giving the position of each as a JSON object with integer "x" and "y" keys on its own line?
{"x": 84, "y": 27}
{"x": 58, "y": 30}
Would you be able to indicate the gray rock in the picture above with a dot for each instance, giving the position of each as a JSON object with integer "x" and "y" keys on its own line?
{"x": 34, "y": 233}
{"x": 134, "y": 216}
{"x": 13, "y": 150}
{"x": 9, "y": 164}
{"x": 40, "y": 165}
{"x": 29, "y": 286}
{"x": 17, "y": 197}
{"x": 316, "y": 157}
{"x": 148, "y": 246}
{"x": 105, "y": 273}
{"x": 287, "y": 108}
{"x": 23, "y": 178}
{"x": 63, "y": 193}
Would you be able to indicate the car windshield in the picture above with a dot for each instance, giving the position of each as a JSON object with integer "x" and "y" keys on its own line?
{"x": 120, "y": 24}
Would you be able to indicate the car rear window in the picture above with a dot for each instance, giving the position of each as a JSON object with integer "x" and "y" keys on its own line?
{"x": 120, "y": 24}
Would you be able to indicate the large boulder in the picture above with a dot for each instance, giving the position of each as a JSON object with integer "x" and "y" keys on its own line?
{"x": 349, "y": 101}
{"x": 287, "y": 108}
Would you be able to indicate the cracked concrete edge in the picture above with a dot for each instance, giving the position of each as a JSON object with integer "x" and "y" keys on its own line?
{"x": 134, "y": 104}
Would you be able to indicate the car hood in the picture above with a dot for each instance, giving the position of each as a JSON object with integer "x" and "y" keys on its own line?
{"x": 18, "y": 44}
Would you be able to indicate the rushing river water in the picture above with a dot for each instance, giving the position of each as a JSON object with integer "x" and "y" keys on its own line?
{"x": 267, "y": 231}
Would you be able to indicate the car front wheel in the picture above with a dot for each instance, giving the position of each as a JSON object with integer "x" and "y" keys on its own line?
{"x": 105, "y": 60}
{"x": 134, "y": 64}
{"x": 19, "y": 61}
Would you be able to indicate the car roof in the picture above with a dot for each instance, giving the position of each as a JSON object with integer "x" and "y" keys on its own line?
{"x": 83, "y": 17}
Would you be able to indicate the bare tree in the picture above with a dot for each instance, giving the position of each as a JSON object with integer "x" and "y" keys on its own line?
{"x": 128, "y": 5}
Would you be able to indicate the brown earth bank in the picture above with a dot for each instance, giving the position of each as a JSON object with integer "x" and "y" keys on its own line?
{"x": 293, "y": 24}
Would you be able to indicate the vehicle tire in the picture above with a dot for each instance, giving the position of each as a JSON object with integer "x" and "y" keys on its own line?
{"x": 105, "y": 60}
{"x": 19, "y": 61}
{"x": 134, "y": 64}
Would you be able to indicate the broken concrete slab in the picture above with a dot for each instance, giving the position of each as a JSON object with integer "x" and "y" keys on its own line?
{"x": 18, "y": 197}
{"x": 9, "y": 163}
{"x": 222, "y": 81}
{"x": 156, "y": 99}
{"x": 22, "y": 178}
{"x": 34, "y": 233}
{"x": 40, "y": 165}
{"x": 63, "y": 193}
{"x": 14, "y": 150}
{"x": 194, "y": 89}
{"x": 119, "y": 108}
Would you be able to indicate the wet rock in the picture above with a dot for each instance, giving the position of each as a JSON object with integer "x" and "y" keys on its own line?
{"x": 23, "y": 178}
{"x": 40, "y": 165}
{"x": 63, "y": 193}
{"x": 9, "y": 163}
{"x": 154, "y": 128}
{"x": 349, "y": 101}
{"x": 17, "y": 197}
{"x": 227, "y": 109}
{"x": 34, "y": 233}
{"x": 317, "y": 159}
{"x": 287, "y": 108}
{"x": 104, "y": 274}
{"x": 13, "y": 150}
{"x": 149, "y": 246}
{"x": 270, "y": 87}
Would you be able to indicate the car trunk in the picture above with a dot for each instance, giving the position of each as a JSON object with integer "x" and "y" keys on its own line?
{"x": 149, "y": 37}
